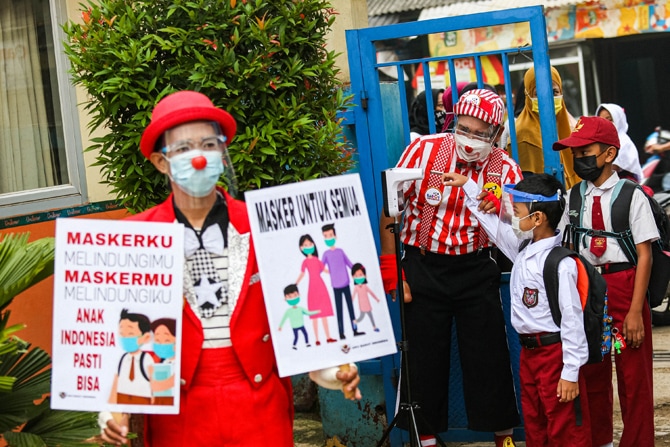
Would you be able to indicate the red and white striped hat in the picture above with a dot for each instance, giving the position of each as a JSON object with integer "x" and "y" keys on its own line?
{"x": 482, "y": 104}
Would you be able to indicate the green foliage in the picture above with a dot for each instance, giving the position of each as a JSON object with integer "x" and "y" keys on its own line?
{"x": 264, "y": 61}
{"x": 23, "y": 264}
{"x": 25, "y": 374}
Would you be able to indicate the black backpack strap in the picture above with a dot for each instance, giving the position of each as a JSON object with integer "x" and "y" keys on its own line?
{"x": 575, "y": 213}
{"x": 622, "y": 197}
{"x": 620, "y": 205}
{"x": 524, "y": 243}
{"x": 118, "y": 372}
{"x": 568, "y": 237}
{"x": 576, "y": 203}
{"x": 142, "y": 370}
{"x": 550, "y": 276}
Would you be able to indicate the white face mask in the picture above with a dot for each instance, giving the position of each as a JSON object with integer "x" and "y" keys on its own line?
{"x": 196, "y": 182}
{"x": 470, "y": 149}
{"x": 518, "y": 232}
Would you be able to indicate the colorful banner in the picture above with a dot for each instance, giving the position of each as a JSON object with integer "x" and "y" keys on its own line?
{"x": 584, "y": 21}
{"x": 614, "y": 18}
{"x": 465, "y": 71}
{"x": 477, "y": 40}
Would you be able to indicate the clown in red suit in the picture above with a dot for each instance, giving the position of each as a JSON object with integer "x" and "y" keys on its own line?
{"x": 231, "y": 393}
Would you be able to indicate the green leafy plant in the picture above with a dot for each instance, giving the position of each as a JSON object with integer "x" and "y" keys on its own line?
{"x": 264, "y": 61}
{"x": 25, "y": 374}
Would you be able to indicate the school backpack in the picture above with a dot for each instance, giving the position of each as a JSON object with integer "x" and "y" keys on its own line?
{"x": 620, "y": 212}
{"x": 593, "y": 295}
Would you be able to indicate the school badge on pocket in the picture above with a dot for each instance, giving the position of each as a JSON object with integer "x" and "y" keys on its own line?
{"x": 530, "y": 297}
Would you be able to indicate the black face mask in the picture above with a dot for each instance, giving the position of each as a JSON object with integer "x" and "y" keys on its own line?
{"x": 587, "y": 167}
{"x": 440, "y": 118}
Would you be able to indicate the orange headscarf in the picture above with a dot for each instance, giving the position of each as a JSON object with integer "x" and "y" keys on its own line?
{"x": 528, "y": 134}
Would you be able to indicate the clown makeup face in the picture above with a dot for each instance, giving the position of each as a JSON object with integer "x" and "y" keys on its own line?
{"x": 474, "y": 138}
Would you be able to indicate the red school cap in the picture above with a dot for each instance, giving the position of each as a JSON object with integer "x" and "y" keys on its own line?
{"x": 589, "y": 130}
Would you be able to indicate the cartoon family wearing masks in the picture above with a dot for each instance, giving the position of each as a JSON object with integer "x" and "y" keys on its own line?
{"x": 145, "y": 377}
{"x": 337, "y": 265}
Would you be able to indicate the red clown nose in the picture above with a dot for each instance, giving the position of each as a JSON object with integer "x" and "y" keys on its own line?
{"x": 199, "y": 162}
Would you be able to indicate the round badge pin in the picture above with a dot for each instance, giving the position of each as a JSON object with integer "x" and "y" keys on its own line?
{"x": 433, "y": 196}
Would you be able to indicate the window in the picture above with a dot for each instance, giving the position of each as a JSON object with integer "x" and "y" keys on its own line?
{"x": 41, "y": 161}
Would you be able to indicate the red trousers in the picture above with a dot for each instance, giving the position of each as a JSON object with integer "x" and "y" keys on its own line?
{"x": 221, "y": 408}
{"x": 634, "y": 372}
{"x": 547, "y": 421}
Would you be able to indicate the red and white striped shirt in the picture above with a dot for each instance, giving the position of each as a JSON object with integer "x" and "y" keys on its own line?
{"x": 453, "y": 228}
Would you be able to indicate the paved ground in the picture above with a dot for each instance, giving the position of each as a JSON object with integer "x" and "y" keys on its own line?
{"x": 309, "y": 434}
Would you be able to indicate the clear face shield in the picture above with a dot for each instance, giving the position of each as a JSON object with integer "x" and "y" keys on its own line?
{"x": 474, "y": 145}
{"x": 228, "y": 180}
{"x": 198, "y": 165}
{"x": 516, "y": 206}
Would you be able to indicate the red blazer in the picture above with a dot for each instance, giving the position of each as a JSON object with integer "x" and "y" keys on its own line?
{"x": 249, "y": 328}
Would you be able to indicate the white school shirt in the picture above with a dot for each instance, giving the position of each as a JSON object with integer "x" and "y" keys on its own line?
{"x": 527, "y": 273}
{"x": 641, "y": 220}
{"x": 139, "y": 386}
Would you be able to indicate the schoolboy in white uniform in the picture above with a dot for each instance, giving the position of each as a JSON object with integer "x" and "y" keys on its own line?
{"x": 551, "y": 356}
{"x": 595, "y": 144}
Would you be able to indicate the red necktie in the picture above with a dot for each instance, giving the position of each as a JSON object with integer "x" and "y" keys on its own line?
{"x": 131, "y": 376}
{"x": 598, "y": 244}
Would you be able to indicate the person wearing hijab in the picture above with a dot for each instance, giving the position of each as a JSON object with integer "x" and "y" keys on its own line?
{"x": 627, "y": 162}
{"x": 528, "y": 134}
{"x": 418, "y": 114}
{"x": 448, "y": 102}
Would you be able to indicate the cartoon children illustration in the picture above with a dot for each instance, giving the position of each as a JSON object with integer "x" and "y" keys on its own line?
{"x": 294, "y": 314}
{"x": 131, "y": 381}
{"x": 363, "y": 292}
{"x": 338, "y": 264}
{"x": 162, "y": 374}
{"x": 317, "y": 293}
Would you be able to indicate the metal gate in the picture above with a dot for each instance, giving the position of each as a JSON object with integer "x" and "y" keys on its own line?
{"x": 381, "y": 123}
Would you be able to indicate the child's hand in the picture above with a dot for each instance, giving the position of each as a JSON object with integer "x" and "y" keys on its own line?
{"x": 453, "y": 179}
{"x": 633, "y": 329}
{"x": 489, "y": 203}
{"x": 567, "y": 391}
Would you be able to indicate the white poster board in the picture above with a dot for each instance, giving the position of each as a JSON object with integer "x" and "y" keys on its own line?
{"x": 112, "y": 281}
{"x": 306, "y": 335}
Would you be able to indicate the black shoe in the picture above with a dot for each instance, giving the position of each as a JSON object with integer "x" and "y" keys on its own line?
{"x": 357, "y": 333}
{"x": 342, "y": 337}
